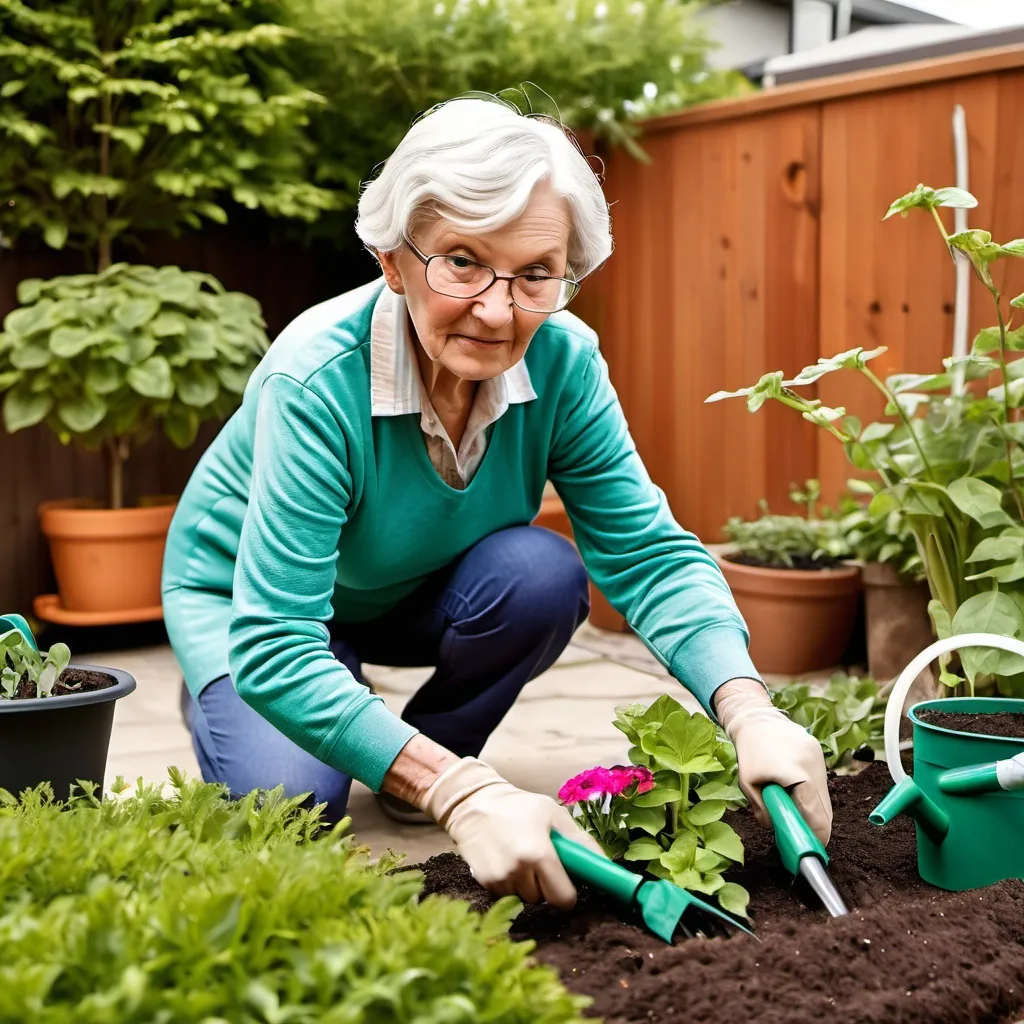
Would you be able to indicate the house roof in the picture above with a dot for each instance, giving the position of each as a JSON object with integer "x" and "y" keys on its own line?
{"x": 881, "y": 45}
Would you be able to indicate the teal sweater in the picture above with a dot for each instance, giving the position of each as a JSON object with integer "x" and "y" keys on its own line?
{"x": 306, "y": 509}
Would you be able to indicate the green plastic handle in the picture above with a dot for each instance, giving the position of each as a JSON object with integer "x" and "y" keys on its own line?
{"x": 793, "y": 836}
{"x": 582, "y": 864}
{"x": 15, "y": 621}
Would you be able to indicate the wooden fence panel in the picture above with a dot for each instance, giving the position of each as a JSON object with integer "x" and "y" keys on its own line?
{"x": 714, "y": 277}
{"x": 892, "y": 283}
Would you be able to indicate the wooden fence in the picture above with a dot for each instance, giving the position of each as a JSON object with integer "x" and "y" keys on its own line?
{"x": 753, "y": 241}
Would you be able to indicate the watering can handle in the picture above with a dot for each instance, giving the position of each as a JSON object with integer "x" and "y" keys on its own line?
{"x": 15, "y": 621}
{"x": 898, "y": 694}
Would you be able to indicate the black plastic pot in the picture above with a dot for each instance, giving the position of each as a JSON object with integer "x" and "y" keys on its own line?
{"x": 59, "y": 739}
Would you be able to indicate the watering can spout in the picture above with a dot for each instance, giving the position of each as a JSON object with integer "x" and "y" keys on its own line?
{"x": 906, "y": 798}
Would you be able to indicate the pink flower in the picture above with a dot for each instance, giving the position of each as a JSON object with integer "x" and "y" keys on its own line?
{"x": 600, "y": 782}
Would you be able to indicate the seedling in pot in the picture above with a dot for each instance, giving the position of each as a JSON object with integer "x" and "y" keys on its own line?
{"x": 20, "y": 660}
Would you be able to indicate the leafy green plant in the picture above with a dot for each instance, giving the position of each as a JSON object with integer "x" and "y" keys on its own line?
{"x": 106, "y": 358}
{"x": 791, "y": 542}
{"x": 846, "y": 716}
{"x": 193, "y": 908}
{"x": 948, "y": 460}
{"x": 606, "y": 63}
{"x": 123, "y": 117}
{"x": 666, "y": 817}
{"x": 19, "y": 660}
{"x": 884, "y": 537}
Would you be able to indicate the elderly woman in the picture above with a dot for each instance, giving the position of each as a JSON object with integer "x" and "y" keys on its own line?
{"x": 371, "y": 500}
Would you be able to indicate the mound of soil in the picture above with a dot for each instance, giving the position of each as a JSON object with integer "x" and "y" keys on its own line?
{"x": 907, "y": 953}
{"x": 72, "y": 680}
{"x": 1001, "y": 723}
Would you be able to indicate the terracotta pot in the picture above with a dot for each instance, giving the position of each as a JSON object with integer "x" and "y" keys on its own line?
{"x": 106, "y": 560}
{"x": 898, "y": 625}
{"x": 800, "y": 620}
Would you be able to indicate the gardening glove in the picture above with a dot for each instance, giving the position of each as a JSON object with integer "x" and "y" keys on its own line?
{"x": 504, "y": 833}
{"x": 770, "y": 747}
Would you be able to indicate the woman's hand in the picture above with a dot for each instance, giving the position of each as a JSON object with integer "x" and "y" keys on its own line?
{"x": 502, "y": 832}
{"x": 772, "y": 748}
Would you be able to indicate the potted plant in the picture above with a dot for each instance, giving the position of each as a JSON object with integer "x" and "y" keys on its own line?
{"x": 55, "y": 718}
{"x": 895, "y": 592}
{"x": 947, "y": 460}
{"x": 121, "y": 121}
{"x": 104, "y": 360}
{"x": 791, "y": 582}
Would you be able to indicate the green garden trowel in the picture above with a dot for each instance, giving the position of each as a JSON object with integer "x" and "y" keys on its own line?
{"x": 664, "y": 906}
{"x": 801, "y": 850}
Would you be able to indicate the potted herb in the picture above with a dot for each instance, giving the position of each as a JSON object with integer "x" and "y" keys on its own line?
{"x": 55, "y": 718}
{"x": 791, "y": 582}
{"x": 947, "y": 459}
{"x": 120, "y": 121}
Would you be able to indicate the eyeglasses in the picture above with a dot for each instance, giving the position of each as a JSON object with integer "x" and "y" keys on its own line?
{"x": 459, "y": 277}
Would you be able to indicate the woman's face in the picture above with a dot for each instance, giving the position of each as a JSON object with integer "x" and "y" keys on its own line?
{"x": 481, "y": 337}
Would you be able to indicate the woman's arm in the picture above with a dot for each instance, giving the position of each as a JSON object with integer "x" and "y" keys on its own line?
{"x": 285, "y": 573}
{"x": 655, "y": 573}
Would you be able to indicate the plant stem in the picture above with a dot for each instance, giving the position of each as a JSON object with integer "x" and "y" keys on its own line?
{"x": 117, "y": 456}
{"x": 908, "y": 421}
{"x": 1007, "y": 440}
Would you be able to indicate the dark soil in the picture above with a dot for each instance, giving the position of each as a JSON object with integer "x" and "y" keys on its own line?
{"x": 799, "y": 562}
{"x": 72, "y": 680}
{"x": 907, "y": 953}
{"x": 1000, "y": 723}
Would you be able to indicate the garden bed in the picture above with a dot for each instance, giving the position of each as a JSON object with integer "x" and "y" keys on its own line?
{"x": 907, "y": 954}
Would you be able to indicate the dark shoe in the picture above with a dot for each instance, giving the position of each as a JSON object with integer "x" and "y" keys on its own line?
{"x": 400, "y": 811}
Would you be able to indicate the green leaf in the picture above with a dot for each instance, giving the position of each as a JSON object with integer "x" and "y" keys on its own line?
{"x": 706, "y": 812}
{"x": 644, "y": 848}
{"x": 1018, "y": 301}
{"x": 104, "y": 376}
{"x": 83, "y": 413}
{"x": 11, "y": 87}
{"x": 957, "y": 198}
{"x": 197, "y": 387}
{"x": 851, "y": 359}
{"x": 152, "y": 378}
{"x": 733, "y": 898}
{"x": 680, "y": 855}
{"x": 722, "y": 838}
{"x": 657, "y": 797}
{"x": 30, "y": 289}
{"x": 68, "y": 342}
{"x": 998, "y": 549}
{"x": 181, "y": 425}
{"x": 685, "y": 743}
{"x": 55, "y": 234}
{"x": 650, "y": 819}
{"x": 1014, "y": 248}
{"x": 719, "y": 790}
{"x": 991, "y": 612}
{"x": 23, "y": 409}
{"x": 769, "y": 386}
{"x": 979, "y": 500}
{"x": 133, "y": 313}
{"x": 168, "y": 324}
{"x": 33, "y": 356}
{"x": 233, "y": 378}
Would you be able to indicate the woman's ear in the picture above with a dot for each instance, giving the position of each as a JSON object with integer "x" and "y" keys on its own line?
{"x": 389, "y": 264}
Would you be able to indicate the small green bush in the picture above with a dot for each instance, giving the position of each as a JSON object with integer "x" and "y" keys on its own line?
{"x": 807, "y": 541}
{"x": 192, "y": 909}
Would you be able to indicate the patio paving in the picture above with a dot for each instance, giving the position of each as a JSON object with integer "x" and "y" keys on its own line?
{"x": 560, "y": 725}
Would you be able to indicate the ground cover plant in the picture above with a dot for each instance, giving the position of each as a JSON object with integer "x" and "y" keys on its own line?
{"x": 188, "y": 907}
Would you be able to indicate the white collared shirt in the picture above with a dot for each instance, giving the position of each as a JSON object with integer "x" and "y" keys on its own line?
{"x": 396, "y": 389}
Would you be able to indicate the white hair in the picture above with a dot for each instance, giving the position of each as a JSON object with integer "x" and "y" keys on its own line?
{"x": 477, "y": 162}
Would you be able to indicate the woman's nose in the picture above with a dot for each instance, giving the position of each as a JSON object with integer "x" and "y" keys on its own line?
{"x": 494, "y": 307}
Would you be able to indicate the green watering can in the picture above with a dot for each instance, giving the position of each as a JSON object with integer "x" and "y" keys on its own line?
{"x": 967, "y": 792}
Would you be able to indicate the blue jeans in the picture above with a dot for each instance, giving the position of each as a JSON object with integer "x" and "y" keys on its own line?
{"x": 488, "y": 623}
